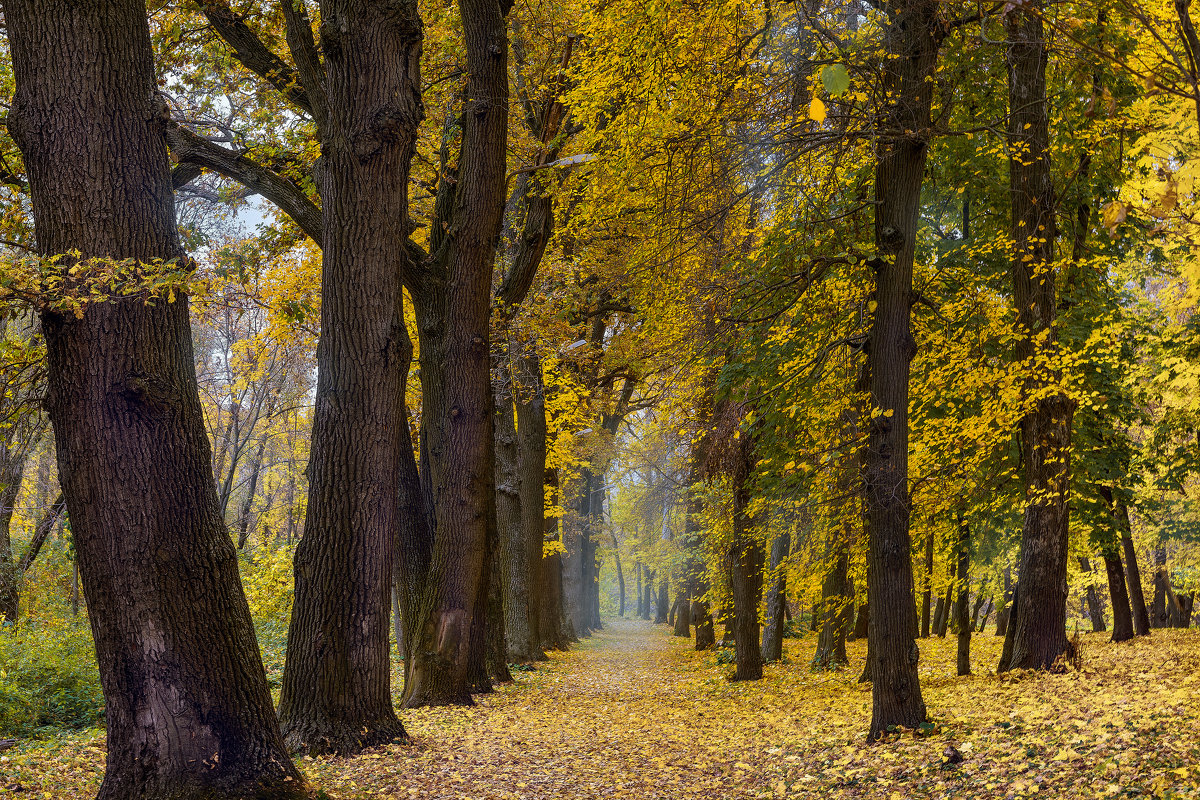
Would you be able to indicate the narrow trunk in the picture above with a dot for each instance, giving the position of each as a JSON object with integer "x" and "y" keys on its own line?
{"x": 1094, "y": 604}
{"x": 913, "y": 41}
{"x": 1040, "y": 638}
{"x": 1133, "y": 575}
{"x": 835, "y": 612}
{"x": 927, "y": 598}
{"x": 648, "y": 601}
{"x": 336, "y": 688}
{"x": 1162, "y": 585}
{"x": 662, "y": 602}
{"x": 187, "y": 707}
{"x": 12, "y": 469}
{"x": 746, "y": 560}
{"x": 531, "y": 449}
{"x": 620, "y": 581}
{"x": 772, "y": 639}
{"x": 1122, "y": 615}
{"x": 862, "y": 623}
{"x": 964, "y": 587}
{"x": 1002, "y": 616}
{"x": 641, "y": 600}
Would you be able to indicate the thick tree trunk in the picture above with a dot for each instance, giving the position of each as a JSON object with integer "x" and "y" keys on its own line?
{"x": 1040, "y": 637}
{"x": 772, "y": 639}
{"x": 963, "y": 621}
{"x": 927, "y": 597}
{"x": 187, "y": 707}
{"x": 336, "y": 689}
{"x": 454, "y": 307}
{"x": 913, "y": 41}
{"x": 862, "y": 622}
{"x": 1122, "y": 615}
{"x": 1094, "y": 605}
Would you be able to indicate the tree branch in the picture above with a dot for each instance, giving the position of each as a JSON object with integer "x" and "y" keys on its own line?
{"x": 253, "y": 54}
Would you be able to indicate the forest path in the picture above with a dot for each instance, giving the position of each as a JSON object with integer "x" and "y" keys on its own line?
{"x": 626, "y": 713}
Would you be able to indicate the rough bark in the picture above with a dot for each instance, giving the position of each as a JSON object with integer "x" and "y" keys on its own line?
{"x": 1162, "y": 585}
{"x": 683, "y": 616}
{"x": 452, "y": 295}
{"x": 772, "y": 639}
{"x": 1040, "y": 638}
{"x": 187, "y": 706}
{"x": 336, "y": 689}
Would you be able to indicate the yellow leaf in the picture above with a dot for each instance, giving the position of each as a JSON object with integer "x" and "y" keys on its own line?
{"x": 816, "y": 110}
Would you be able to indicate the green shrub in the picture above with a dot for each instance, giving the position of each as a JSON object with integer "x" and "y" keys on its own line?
{"x": 48, "y": 677}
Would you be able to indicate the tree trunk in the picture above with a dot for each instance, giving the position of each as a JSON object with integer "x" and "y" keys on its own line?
{"x": 1122, "y": 615}
{"x": 553, "y": 625}
{"x": 913, "y": 41}
{"x": 621, "y": 581}
{"x": 746, "y": 562}
{"x": 454, "y": 310}
{"x": 1040, "y": 637}
{"x": 1010, "y": 630}
{"x": 862, "y": 623}
{"x": 683, "y": 616}
{"x": 336, "y": 689}
{"x": 1095, "y": 606}
{"x": 12, "y": 470}
{"x": 531, "y": 448}
{"x": 1133, "y": 575}
{"x": 927, "y": 598}
{"x": 187, "y": 707}
{"x": 705, "y": 636}
{"x": 641, "y": 601}
{"x": 662, "y": 602}
{"x": 1162, "y": 585}
{"x": 835, "y": 609}
{"x": 648, "y": 601}
{"x": 1002, "y": 616}
{"x": 964, "y": 587}
{"x": 772, "y": 639}
{"x": 515, "y": 562}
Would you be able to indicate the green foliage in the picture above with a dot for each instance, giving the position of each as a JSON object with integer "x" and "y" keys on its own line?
{"x": 48, "y": 677}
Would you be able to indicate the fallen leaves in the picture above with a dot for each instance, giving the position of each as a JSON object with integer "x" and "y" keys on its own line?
{"x": 633, "y": 712}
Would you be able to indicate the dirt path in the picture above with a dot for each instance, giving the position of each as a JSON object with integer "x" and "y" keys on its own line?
{"x": 619, "y": 716}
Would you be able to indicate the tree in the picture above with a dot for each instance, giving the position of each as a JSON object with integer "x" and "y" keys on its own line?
{"x": 366, "y": 99}
{"x": 188, "y": 710}
{"x": 1040, "y": 618}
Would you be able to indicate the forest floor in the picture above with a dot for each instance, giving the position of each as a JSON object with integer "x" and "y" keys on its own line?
{"x": 635, "y": 713}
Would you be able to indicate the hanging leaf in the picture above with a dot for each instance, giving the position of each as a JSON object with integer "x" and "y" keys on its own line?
{"x": 816, "y": 110}
{"x": 1113, "y": 215}
{"x": 835, "y": 79}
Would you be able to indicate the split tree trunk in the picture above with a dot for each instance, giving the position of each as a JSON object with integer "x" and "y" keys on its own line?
{"x": 1133, "y": 575}
{"x": 927, "y": 597}
{"x": 187, "y": 707}
{"x": 1122, "y": 615}
{"x": 1095, "y": 607}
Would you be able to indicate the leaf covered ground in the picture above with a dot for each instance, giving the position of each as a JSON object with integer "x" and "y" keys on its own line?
{"x": 635, "y": 713}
